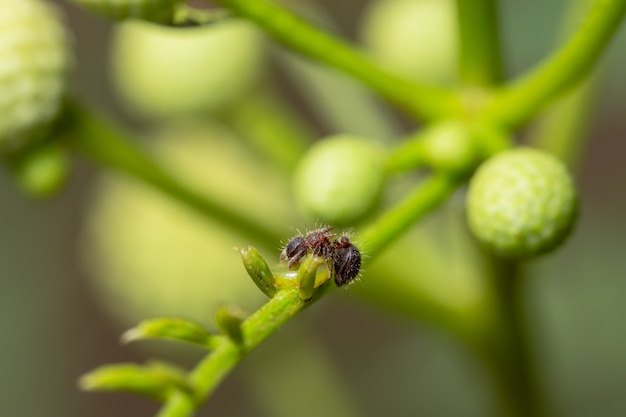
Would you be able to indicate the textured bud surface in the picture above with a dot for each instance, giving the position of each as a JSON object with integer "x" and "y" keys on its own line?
{"x": 340, "y": 178}
{"x": 155, "y": 10}
{"x": 34, "y": 60}
{"x": 521, "y": 203}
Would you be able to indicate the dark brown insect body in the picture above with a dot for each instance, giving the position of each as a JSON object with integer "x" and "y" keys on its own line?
{"x": 346, "y": 261}
{"x": 317, "y": 241}
{"x": 341, "y": 256}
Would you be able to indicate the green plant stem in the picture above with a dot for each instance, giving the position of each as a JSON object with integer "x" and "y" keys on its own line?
{"x": 564, "y": 127}
{"x": 524, "y": 98}
{"x": 506, "y": 350}
{"x": 480, "y": 56}
{"x": 178, "y": 405}
{"x": 301, "y": 36}
{"x": 207, "y": 375}
{"x": 428, "y": 195}
{"x": 99, "y": 140}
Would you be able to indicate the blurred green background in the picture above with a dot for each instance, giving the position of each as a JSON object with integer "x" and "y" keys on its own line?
{"x": 54, "y": 328}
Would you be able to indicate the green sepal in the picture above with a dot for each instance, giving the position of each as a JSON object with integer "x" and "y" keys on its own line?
{"x": 178, "y": 329}
{"x": 156, "y": 380}
{"x": 228, "y": 319}
{"x": 307, "y": 274}
{"x": 258, "y": 270}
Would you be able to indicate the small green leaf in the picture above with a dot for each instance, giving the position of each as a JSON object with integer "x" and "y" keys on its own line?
{"x": 171, "y": 374}
{"x": 258, "y": 270}
{"x": 228, "y": 319}
{"x": 128, "y": 378}
{"x": 307, "y": 274}
{"x": 170, "y": 328}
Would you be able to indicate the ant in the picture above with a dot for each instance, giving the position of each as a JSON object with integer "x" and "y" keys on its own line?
{"x": 341, "y": 255}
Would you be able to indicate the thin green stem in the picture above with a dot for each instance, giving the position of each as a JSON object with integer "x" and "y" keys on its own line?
{"x": 480, "y": 56}
{"x": 99, "y": 140}
{"x": 207, "y": 375}
{"x": 428, "y": 195}
{"x": 506, "y": 349}
{"x": 564, "y": 128}
{"x": 524, "y": 98}
{"x": 303, "y": 37}
{"x": 178, "y": 405}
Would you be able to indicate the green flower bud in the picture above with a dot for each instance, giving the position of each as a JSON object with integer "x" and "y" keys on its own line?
{"x": 414, "y": 38}
{"x": 178, "y": 329}
{"x": 35, "y": 60}
{"x": 450, "y": 146}
{"x": 340, "y": 179}
{"x": 41, "y": 171}
{"x": 258, "y": 270}
{"x": 154, "y": 10}
{"x": 228, "y": 319}
{"x": 521, "y": 203}
{"x": 163, "y": 71}
{"x": 308, "y": 274}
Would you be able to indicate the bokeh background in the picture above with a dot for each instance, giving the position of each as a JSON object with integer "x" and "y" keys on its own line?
{"x": 55, "y": 328}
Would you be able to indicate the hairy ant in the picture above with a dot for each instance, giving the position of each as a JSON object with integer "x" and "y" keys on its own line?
{"x": 317, "y": 241}
{"x": 342, "y": 257}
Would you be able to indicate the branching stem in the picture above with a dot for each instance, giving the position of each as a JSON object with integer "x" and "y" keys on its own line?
{"x": 480, "y": 57}
{"x": 301, "y": 36}
{"x": 227, "y": 353}
{"x": 527, "y": 96}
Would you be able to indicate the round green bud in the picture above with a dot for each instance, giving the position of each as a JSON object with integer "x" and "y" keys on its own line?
{"x": 149, "y": 255}
{"x": 162, "y": 71}
{"x": 340, "y": 179}
{"x": 40, "y": 172}
{"x": 450, "y": 146}
{"x": 521, "y": 203}
{"x": 35, "y": 58}
{"x": 153, "y": 10}
{"x": 416, "y": 39}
